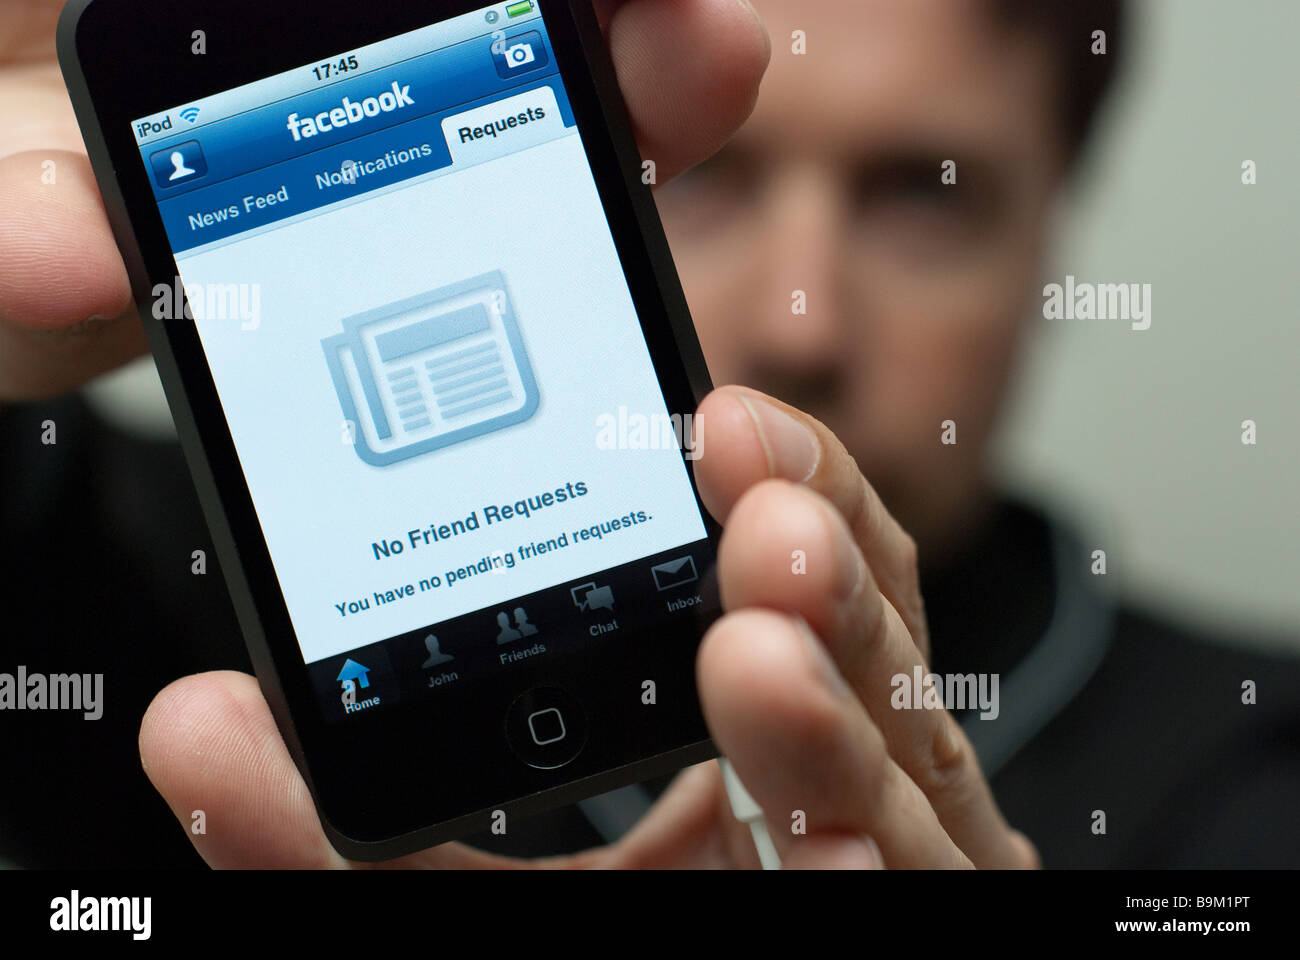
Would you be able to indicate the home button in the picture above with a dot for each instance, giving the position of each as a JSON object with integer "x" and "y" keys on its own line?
{"x": 546, "y": 728}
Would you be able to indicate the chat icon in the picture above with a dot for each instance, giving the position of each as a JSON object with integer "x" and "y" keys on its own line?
{"x": 588, "y": 596}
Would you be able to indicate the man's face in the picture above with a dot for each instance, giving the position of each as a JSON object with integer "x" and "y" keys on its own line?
{"x": 916, "y": 290}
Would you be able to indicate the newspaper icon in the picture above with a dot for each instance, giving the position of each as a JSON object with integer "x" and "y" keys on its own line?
{"x": 432, "y": 370}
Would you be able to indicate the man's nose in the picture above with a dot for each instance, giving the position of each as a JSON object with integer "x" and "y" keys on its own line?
{"x": 796, "y": 304}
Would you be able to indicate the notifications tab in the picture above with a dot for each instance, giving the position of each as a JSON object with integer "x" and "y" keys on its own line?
{"x": 503, "y": 126}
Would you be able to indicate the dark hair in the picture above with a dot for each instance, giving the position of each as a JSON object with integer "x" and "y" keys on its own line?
{"x": 1083, "y": 77}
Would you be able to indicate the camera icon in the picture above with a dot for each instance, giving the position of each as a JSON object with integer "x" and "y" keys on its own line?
{"x": 519, "y": 54}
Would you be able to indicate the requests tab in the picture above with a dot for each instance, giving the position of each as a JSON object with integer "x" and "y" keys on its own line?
{"x": 503, "y": 126}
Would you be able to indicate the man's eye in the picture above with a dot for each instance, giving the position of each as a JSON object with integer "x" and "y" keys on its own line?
{"x": 922, "y": 189}
{"x": 727, "y": 170}
{"x": 709, "y": 197}
{"x": 910, "y": 209}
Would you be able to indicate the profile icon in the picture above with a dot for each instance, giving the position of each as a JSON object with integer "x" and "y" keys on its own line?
{"x": 178, "y": 164}
{"x": 508, "y": 633}
{"x": 436, "y": 656}
{"x": 179, "y": 170}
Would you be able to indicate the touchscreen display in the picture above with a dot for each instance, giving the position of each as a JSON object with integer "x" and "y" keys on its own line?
{"x": 429, "y": 360}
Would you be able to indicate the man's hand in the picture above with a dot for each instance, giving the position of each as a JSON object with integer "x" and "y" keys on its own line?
{"x": 688, "y": 70}
{"x": 794, "y": 679}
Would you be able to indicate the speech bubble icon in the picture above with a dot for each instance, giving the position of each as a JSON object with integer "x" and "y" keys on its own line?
{"x": 600, "y": 597}
{"x": 588, "y": 596}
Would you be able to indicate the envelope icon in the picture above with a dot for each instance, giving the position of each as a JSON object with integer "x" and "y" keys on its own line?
{"x": 674, "y": 573}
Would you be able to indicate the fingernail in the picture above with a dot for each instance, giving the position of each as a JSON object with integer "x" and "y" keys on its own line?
{"x": 872, "y": 859}
{"x": 848, "y": 852}
{"x": 753, "y": 12}
{"x": 850, "y": 571}
{"x": 822, "y": 663}
{"x": 792, "y": 450}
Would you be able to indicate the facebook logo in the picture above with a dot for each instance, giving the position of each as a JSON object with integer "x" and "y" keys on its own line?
{"x": 178, "y": 164}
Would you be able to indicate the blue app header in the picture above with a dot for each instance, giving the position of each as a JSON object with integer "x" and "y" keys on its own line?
{"x": 376, "y": 128}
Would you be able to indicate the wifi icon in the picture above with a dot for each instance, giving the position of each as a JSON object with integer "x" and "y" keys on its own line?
{"x": 190, "y": 114}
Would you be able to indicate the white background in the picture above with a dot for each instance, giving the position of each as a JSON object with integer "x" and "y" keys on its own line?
{"x": 535, "y": 216}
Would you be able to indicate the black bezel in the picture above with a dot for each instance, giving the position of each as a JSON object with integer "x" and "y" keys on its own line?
{"x": 124, "y": 59}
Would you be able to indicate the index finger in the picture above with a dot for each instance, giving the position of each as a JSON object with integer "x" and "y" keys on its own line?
{"x": 688, "y": 71}
{"x": 747, "y": 437}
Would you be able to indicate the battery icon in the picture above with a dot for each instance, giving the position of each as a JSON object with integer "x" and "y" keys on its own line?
{"x": 519, "y": 9}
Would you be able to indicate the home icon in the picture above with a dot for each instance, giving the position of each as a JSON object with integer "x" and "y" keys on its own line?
{"x": 354, "y": 671}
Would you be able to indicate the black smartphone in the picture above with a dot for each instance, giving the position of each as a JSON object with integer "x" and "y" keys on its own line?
{"x": 435, "y": 378}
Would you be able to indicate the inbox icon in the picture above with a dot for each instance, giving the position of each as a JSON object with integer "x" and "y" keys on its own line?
{"x": 674, "y": 573}
{"x": 432, "y": 370}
